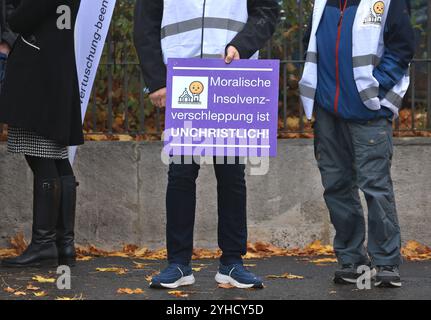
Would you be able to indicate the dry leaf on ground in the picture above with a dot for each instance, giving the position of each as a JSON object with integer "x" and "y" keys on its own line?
{"x": 178, "y": 294}
{"x": 80, "y": 297}
{"x": 130, "y": 291}
{"x": 40, "y": 294}
{"x": 149, "y": 277}
{"x": 9, "y": 290}
{"x": 415, "y": 251}
{"x": 139, "y": 265}
{"x": 285, "y": 276}
{"x": 19, "y": 243}
{"x": 84, "y": 258}
{"x": 41, "y": 279}
{"x": 225, "y": 286}
{"x": 324, "y": 260}
{"x": 31, "y": 287}
{"x": 119, "y": 271}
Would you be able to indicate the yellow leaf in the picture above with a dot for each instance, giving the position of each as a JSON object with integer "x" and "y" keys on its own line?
{"x": 286, "y": 276}
{"x": 118, "y": 255}
{"x": 116, "y": 270}
{"x": 149, "y": 277}
{"x": 130, "y": 291}
{"x": 69, "y": 298}
{"x": 324, "y": 260}
{"x": 178, "y": 294}
{"x": 84, "y": 258}
{"x": 41, "y": 279}
{"x": 40, "y": 294}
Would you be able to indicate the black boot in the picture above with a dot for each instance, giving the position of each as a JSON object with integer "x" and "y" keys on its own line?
{"x": 66, "y": 222}
{"x": 42, "y": 250}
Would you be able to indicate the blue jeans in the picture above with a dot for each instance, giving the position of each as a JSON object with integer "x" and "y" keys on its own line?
{"x": 352, "y": 157}
{"x": 3, "y": 59}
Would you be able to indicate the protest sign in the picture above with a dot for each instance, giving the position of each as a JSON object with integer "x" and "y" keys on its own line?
{"x": 91, "y": 29}
{"x": 219, "y": 109}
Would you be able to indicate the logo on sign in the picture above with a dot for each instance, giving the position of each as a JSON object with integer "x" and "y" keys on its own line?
{"x": 190, "y": 93}
{"x": 375, "y": 16}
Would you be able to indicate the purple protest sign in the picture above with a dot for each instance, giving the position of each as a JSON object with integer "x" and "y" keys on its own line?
{"x": 216, "y": 109}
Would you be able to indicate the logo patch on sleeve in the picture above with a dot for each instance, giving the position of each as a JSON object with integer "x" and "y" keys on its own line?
{"x": 375, "y": 16}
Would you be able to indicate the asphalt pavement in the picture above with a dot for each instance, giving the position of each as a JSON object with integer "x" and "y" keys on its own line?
{"x": 96, "y": 280}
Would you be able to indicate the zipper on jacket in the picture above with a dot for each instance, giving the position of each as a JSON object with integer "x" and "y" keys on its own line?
{"x": 203, "y": 29}
{"x": 337, "y": 55}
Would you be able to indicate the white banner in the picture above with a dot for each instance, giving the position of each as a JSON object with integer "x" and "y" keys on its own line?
{"x": 91, "y": 30}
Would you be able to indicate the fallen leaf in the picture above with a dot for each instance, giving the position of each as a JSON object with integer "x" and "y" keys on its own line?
{"x": 40, "y": 294}
{"x": 286, "y": 276}
{"x": 178, "y": 294}
{"x": 30, "y": 287}
{"x": 225, "y": 286}
{"x": 415, "y": 251}
{"x": 130, "y": 291}
{"x": 139, "y": 265}
{"x": 141, "y": 252}
{"x": 249, "y": 265}
{"x": 9, "y": 290}
{"x": 197, "y": 269}
{"x": 149, "y": 277}
{"x": 324, "y": 261}
{"x": 19, "y": 243}
{"x": 8, "y": 253}
{"x": 41, "y": 279}
{"x": 70, "y": 298}
{"x": 20, "y": 293}
{"x": 84, "y": 258}
{"x": 119, "y": 271}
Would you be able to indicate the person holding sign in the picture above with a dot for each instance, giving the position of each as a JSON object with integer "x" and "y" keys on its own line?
{"x": 356, "y": 74}
{"x": 40, "y": 102}
{"x": 202, "y": 29}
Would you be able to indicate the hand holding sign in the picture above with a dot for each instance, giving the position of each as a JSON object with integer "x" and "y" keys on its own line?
{"x": 231, "y": 54}
{"x": 158, "y": 98}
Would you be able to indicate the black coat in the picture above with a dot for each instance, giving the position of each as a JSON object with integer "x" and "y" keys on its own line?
{"x": 6, "y": 9}
{"x": 262, "y": 21}
{"x": 40, "y": 91}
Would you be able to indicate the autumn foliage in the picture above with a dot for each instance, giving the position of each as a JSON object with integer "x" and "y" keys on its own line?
{"x": 412, "y": 251}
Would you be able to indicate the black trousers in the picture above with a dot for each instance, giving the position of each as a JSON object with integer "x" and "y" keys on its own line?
{"x": 232, "y": 214}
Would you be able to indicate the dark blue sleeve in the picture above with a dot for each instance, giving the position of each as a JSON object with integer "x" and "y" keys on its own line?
{"x": 399, "y": 41}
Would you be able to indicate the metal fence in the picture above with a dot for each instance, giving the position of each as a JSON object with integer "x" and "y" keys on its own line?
{"x": 119, "y": 104}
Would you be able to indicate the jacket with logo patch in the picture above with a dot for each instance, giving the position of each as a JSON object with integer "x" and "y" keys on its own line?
{"x": 337, "y": 86}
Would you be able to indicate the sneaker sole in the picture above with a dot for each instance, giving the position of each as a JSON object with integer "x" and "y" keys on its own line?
{"x": 341, "y": 280}
{"x": 184, "y": 281}
{"x": 223, "y": 279}
{"x": 338, "y": 279}
{"x": 388, "y": 284}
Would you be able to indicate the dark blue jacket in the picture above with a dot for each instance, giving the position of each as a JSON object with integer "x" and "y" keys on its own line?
{"x": 399, "y": 51}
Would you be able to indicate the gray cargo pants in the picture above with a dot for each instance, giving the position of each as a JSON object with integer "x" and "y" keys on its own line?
{"x": 353, "y": 156}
